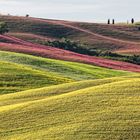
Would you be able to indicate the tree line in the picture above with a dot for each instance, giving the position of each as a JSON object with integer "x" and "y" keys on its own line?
{"x": 3, "y": 28}
{"x": 84, "y": 49}
{"x": 113, "y": 21}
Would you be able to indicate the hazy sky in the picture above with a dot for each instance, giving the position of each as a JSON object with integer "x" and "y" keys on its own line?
{"x": 80, "y": 10}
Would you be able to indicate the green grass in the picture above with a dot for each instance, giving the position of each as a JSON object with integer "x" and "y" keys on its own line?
{"x": 104, "y": 110}
{"x": 20, "y": 72}
{"x": 72, "y": 70}
{"x": 16, "y": 77}
{"x": 46, "y": 99}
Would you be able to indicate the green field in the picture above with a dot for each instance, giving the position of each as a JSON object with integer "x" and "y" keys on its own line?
{"x": 21, "y": 72}
{"x": 59, "y": 100}
{"x": 15, "y": 77}
{"x": 51, "y": 99}
{"x": 74, "y": 70}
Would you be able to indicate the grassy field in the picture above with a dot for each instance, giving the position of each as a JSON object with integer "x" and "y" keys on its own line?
{"x": 20, "y": 72}
{"x": 101, "y": 111}
{"x": 26, "y": 47}
{"x": 91, "y": 109}
{"x": 114, "y": 38}
{"x": 71, "y": 70}
{"x": 120, "y": 31}
{"x": 16, "y": 77}
{"x": 48, "y": 93}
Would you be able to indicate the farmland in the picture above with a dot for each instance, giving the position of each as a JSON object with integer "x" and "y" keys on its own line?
{"x": 21, "y": 46}
{"x": 27, "y": 72}
{"x": 50, "y": 93}
{"x": 115, "y": 38}
{"x": 59, "y": 113}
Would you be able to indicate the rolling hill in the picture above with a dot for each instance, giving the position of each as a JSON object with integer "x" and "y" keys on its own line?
{"x": 115, "y": 38}
{"x": 15, "y": 77}
{"x": 98, "y": 111}
{"x": 21, "y": 72}
{"x": 26, "y": 47}
{"x": 50, "y": 93}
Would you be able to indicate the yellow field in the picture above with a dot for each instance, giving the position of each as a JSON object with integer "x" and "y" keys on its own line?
{"x": 101, "y": 110}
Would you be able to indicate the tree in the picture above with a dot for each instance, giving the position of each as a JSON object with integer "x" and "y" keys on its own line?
{"x": 113, "y": 21}
{"x": 27, "y": 15}
{"x": 108, "y": 22}
{"x": 3, "y": 28}
{"x": 132, "y": 20}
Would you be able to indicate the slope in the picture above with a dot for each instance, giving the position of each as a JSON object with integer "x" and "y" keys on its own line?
{"x": 16, "y": 77}
{"x": 96, "y": 112}
{"x": 70, "y": 70}
{"x": 118, "y": 38}
{"x": 50, "y": 52}
{"x": 41, "y": 93}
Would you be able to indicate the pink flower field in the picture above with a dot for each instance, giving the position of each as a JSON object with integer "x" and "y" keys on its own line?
{"x": 21, "y": 46}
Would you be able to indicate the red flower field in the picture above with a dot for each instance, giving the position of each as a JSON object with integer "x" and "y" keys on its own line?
{"x": 18, "y": 45}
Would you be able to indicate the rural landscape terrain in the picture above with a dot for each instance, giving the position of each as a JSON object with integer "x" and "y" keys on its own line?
{"x": 64, "y": 80}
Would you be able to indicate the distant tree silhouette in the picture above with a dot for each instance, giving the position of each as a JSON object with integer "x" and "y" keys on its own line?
{"x": 3, "y": 28}
{"x": 113, "y": 21}
{"x": 27, "y": 15}
{"x": 108, "y": 22}
{"x": 132, "y": 20}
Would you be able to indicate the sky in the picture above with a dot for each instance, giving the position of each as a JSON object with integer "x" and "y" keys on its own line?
{"x": 75, "y": 10}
